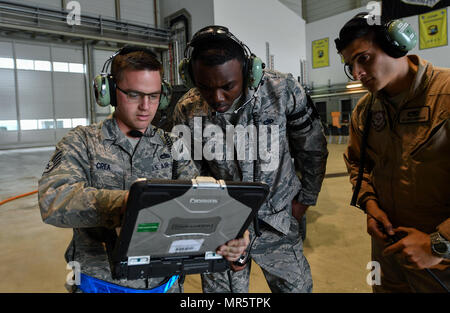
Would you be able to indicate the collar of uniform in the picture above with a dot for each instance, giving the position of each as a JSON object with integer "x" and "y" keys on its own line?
{"x": 420, "y": 82}
{"x": 248, "y": 99}
{"x": 154, "y": 135}
{"x": 112, "y": 132}
{"x": 423, "y": 76}
{"x": 109, "y": 128}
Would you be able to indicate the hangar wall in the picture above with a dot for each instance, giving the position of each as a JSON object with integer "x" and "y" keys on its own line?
{"x": 45, "y": 86}
{"x": 259, "y": 21}
{"x": 38, "y": 108}
{"x": 334, "y": 74}
{"x": 201, "y": 11}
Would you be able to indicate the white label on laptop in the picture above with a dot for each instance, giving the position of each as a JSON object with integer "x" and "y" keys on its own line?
{"x": 188, "y": 245}
{"x": 138, "y": 260}
{"x": 209, "y": 255}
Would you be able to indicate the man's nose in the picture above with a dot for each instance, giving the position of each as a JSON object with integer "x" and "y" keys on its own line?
{"x": 144, "y": 103}
{"x": 218, "y": 96}
{"x": 358, "y": 71}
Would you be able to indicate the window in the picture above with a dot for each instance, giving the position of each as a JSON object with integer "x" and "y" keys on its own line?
{"x": 6, "y": 63}
{"x": 322, "y": 110}
{"x": 23, "y": 64}
{"x": 28, "y": 124}
{"x": 46, "y": 124}
{"x": 79, "y": 121}
{"x": 60, "y": 66}
{"x": 42, "y": 66}
{"x": 70, "y": 122}
{"x": 68, "y": 67}
{"x": 8, "y": 125}
{"x": 76, "y": 67}
{"x": 64, "y": 123}
{"x": 346, "y": 109}
{"x": 346, "y": 105}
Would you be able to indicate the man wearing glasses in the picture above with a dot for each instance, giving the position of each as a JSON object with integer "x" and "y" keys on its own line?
{"x": 85, "y": 184}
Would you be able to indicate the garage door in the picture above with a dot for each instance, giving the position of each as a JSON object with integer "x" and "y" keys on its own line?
{"x": 42, "y": 92}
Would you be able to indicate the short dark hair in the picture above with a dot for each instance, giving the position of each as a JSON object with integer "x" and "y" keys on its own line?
{"x": 217, "y": 51}
{"x": 356, "y": 28}
{"x": 136, "y": 59}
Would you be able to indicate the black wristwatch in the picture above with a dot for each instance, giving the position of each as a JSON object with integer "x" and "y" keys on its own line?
{"x": 440, "y": 246}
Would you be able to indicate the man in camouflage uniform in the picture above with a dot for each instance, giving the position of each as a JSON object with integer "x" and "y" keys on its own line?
{"x": 85, "y": 185}
{"x": 223, "y": 98}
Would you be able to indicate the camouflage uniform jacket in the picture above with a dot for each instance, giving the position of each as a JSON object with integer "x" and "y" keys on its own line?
{"x": 84, "y": 185}
{"x": 280, "y": 102}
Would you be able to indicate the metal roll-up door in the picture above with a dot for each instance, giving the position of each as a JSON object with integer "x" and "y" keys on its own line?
{"x": 69, "y": 89}
{"x": 8, "y": 114}
{"x": 42, "y": 90}
{"x": 35, "y": 94}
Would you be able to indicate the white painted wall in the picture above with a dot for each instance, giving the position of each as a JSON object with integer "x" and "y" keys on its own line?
{"x": 202, "y": 11}
{"x": 329, "y": 27}
{"x": 256, "y": 22}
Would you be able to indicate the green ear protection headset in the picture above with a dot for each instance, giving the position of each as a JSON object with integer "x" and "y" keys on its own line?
{"x": 395, "y": 37}
{"x": 253, "y": 66}
{"x": 105, "y": 86}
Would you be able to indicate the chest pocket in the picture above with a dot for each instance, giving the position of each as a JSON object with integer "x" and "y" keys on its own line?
{"x": 435, "y": 146}
{"x": 107, "y": 174}
{"x": 380, "y": 143}
{"x": 153, "y": 163}
{"x": 162, "y": 167}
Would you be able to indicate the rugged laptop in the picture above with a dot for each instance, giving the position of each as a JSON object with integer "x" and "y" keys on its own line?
{"x": 175, "y": 226}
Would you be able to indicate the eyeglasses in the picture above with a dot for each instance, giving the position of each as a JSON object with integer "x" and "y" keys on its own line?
{"x": 348, "y": 69}
{"x": 138, "y": 97}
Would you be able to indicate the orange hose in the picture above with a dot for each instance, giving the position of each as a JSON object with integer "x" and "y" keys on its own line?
{"x": 17, "y": 197}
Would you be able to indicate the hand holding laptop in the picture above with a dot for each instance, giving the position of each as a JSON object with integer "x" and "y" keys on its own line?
{"x": 234, "y": 248}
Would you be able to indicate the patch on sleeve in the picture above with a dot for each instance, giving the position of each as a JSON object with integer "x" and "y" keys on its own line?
{"x": 54, "y": 162}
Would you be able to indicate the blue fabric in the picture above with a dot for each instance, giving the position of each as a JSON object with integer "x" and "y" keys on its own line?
{"x": 90, "y": 284}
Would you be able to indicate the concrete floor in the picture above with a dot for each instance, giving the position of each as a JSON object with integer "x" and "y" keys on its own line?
{"x": 31, "y": 259}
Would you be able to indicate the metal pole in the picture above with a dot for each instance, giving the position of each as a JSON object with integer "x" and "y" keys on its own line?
{"x": 16, "y": 90}
{"x": 87, "y": 81}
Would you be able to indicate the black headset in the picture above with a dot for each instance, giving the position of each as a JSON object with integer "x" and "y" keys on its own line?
{"x": 105, "y": 86}
{"x": 253, "y": 66}
{"x": 395, "y": 37}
